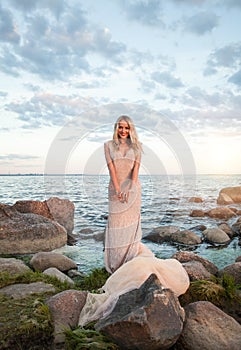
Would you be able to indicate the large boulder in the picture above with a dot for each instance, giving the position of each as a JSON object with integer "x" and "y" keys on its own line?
{"x": 13, "y": 266}
{"x": 54, "y": 208}
{"x": 146, "y": 318}
{"x": 34, "y": 207}
{"x": 24, "y": 233}
{"x": 233, "y": 270}
{"x": 221, "y": 213}
{"x": 44, "y": 260}
{"x": 186, "y": 237}
{"x": 229, "y": 195}
{"x": 196, "y": 271}
{"x": 23, "y": 290}
{"x": 215, "y": 235}
{"x": 63, "y": 212}
{"x": 207, "y": 327}
{"x": 65, "y": 308}
{"x": 162, "y": 234}
{"x": 184, "y": 257}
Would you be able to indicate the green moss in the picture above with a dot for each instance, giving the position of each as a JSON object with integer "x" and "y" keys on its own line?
{"x": 25, "y": 324}
{"x": 95, "y": 280}
{"x": 222, "y": 292}
{"x": 7, "y": 279}
{"x": 83, "y": 339}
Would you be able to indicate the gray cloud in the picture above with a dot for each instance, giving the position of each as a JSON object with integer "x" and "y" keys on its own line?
{"x": 236, "y": 78}
{"x": 227, "y": 56}
{"x": 55, "y": 6}
{"x": 48, "y": 109}
{"x": 201, "y": 23}
{"x": 147, "y": 12}
{"x": 14, "y": 156}
{"x": 53, "y": 48}
{"x": 231, "y": 3}
{"x": 8, "y": 31}
{"x": 196, "y": 97}
{"x": 189, "y": 2}
{"x": 167, "y": 79}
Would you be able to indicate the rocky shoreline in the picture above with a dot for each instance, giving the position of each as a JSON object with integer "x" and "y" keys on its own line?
{"x": 35, "y": 228}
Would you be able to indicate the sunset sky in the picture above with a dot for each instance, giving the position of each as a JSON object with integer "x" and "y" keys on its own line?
{"x": 69, "y": 68}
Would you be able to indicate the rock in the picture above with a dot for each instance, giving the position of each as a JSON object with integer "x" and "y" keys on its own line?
{"x": 195, "y": 200}
{"x": 72, "y": 239}
{"x": 207, "y": 327}
{"x": 221, "y": 213}
{"x": 186, "y": 237}
{"x": 34, "y": 207}
{"x": 75, "y": 273}
{"x": 25, "y": 233}
{"x": 236, "y": 227}
{"x": 197, "y": 213}
{"x": 238, "y": 259}
{"x": 224, "y": 199}
{"x": 162, "y": 234}
{"x": 233, "y": 270}
{"x": 13, "y": 266}
{"x": 22, "y": 290}
{"x": 196, "y": 271}
{"x": 52, "y": 271}
{"x": 63, "y": 212}
{"x": 226, "y": 228}
{"x": 57, "y": 209}
{"x": 146, "y": 318}
{"x": 86, "y": 231}
{"x": 183, "y": 257}
{"x": 43, "y": 260}
{"x": 65, "y": 308}
{"x": 198, "y": 228}
{"x": 215, "y": 235}
{"x": 229, "y": 195}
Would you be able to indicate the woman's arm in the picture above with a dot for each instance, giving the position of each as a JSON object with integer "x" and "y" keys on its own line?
{"x": 111, "y": 167}
{"x": 135, "y": 171}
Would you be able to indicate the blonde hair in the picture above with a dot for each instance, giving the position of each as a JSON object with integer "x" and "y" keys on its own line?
{"x": 133, "y": 138}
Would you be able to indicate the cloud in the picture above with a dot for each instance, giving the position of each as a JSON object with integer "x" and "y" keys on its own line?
{"x": 235, "y": 78}
{"x": 189, "y": 2}
{"x": 46, "y": 109}
{"x": 55, "y": 6}
{"x": 147, "y": 12}
{"x": 231, "y": 3}
{"x": 167, "y": 79}
{"x": 56, "y": 48}
{"x": 14, "y": 156}
{"x": 227, "y": 56}
{"x": 197, "y": 97}
{"x": 201, "y": 23}
{"x": 8, "y": 32}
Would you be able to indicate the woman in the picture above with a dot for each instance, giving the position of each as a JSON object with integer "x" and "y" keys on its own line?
{"x": 128, "y": 260}
{"x": 123, "y": 230}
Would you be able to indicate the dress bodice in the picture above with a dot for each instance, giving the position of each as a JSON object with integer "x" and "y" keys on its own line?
{"x": 123, "y": 163}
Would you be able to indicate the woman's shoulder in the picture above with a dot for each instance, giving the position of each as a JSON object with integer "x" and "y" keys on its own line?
{"x": 109, "y": 144}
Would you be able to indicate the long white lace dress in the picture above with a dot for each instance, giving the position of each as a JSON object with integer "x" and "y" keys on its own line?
{"x": 129, "y": 260}
{"x": 123, "y": 230}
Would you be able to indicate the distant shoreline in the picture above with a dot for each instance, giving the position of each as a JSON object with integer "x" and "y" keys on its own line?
{"x": 39, "y": 174}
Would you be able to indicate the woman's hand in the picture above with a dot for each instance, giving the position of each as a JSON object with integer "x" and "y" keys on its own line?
{"x": 123, "y": 196}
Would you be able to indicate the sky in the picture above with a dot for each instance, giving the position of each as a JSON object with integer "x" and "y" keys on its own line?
{"x": 70, "y": 68}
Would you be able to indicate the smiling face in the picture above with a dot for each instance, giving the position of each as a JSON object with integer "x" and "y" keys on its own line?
{"x": 123, "y": 130}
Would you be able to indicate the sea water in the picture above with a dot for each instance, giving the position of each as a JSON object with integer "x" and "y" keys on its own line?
{"x": 165, "y": 201}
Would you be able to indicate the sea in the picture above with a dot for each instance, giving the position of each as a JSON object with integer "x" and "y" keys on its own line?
{"x": 165, "y": 202}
